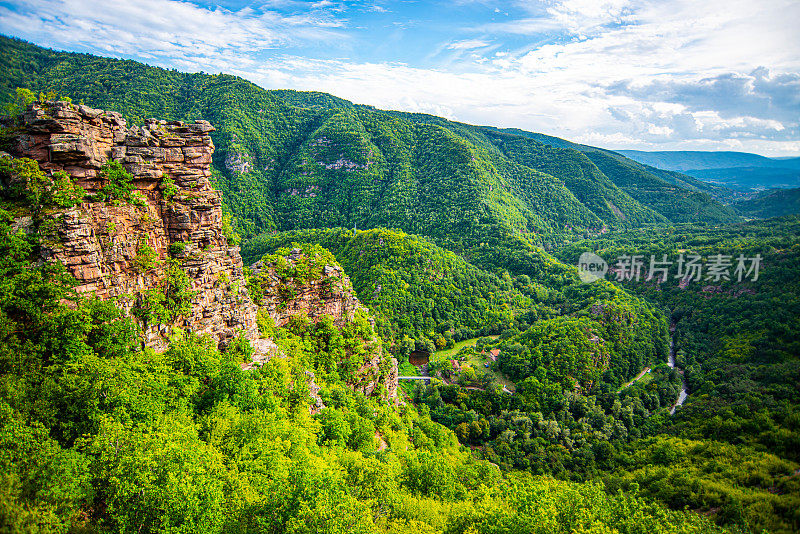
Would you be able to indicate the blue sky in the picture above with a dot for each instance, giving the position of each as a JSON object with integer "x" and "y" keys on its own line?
{"x": 652, "y": 75}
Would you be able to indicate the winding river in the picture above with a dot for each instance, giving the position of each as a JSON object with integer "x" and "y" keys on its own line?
{"x": 671, "y": 362}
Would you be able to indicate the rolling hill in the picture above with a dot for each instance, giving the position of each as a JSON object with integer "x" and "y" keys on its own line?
{"x": 737, "y": 170}
{"x": 289, "y": 160}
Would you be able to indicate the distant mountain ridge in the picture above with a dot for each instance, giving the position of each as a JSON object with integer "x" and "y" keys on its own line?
{"x": 288, "y": 160}
{"x": 750, "y": 178}
{"x": 690, "y": 160}
{"x": 736, "y": 170}
{"x": 772, "y": 203}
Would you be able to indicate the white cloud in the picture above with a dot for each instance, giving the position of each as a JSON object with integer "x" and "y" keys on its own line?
{"x": 468, "y": 44}
{"x": 376, "y": 8}
{"x": 164, "y": 29}
{"x": 584, "y": 16}
{"x": 525, "y": 26}
{"x": 617, "y": 73}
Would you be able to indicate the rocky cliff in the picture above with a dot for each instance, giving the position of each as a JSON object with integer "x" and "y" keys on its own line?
{"x": 122, "y": 249}
{"x": 310, "y": 284}
{"x": 328, "y": 292}
{"x": 164, "y": 240}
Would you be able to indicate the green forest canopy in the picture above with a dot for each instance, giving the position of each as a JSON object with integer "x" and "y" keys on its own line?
{"x": 83, "y": 409}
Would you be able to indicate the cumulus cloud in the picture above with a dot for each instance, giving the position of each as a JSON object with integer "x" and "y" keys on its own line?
{"x": 167, "y": 30}
{"x": 756, "y": 94}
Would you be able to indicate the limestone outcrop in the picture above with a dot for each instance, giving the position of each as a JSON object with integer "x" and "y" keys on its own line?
{"x": 129, "y": 250}
{"x": 327, "y": 293}
{"x": 178, "y": 215}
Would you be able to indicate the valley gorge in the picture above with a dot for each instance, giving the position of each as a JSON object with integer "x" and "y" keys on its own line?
{"x": 156, "y": 377}
{"x": 131, "y": 249}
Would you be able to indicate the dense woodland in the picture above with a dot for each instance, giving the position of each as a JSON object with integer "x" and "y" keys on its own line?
{"x": 448, "y": 232}
{"x": 738, "y": 344}
{"x": 100, "y": 435}
{"x": 287, "y": 160}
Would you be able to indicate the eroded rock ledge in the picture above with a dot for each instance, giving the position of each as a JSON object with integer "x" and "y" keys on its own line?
{"x": 176, "y": 220}
{"x": 330, "y": 293}
{"x": 101, "y": 243}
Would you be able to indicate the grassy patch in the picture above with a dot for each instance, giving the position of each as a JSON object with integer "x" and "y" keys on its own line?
{"x": 477, "y": 361}
{"x": 449, "y": 353}
{"x": 406, "y": 369}
{"x": 647, "y": 377}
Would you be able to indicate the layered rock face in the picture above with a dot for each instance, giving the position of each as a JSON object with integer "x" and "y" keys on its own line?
{"x": 120, "y": 249}
{"x": 331, "y": 293}
{"x": 123, "y": 249}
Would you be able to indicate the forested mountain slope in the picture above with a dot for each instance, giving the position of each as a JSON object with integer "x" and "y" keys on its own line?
{"x": 288, "y": 160}
{"x": 417, "y": 290}
{"x": 582, "y": 176}
{"x": 658, "y": 195}
{"x": 422, "y": 293}
{"x": 737, "y": 343}
{"x": 771, "y": 203}
{"x": 651, "y": 186}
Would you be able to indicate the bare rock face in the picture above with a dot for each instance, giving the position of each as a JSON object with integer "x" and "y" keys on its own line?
{"x": 121, "y": 250}
{"x": 102, "y": 243}
{"x": 331, "y": 293}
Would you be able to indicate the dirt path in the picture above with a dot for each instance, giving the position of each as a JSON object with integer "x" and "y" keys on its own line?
{"x": 638, "y": 377}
